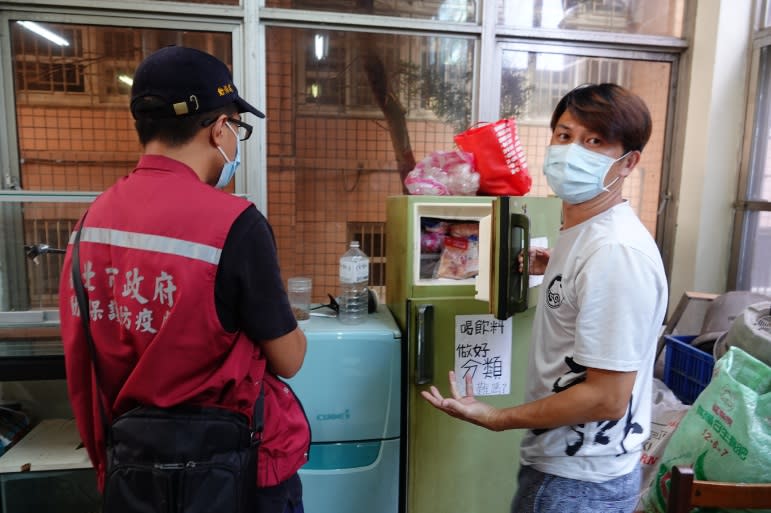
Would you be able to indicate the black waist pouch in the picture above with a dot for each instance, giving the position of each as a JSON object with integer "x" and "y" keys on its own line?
{"x": 181, "y": 460}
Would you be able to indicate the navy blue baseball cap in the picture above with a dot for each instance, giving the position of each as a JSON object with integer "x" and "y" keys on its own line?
{"x": 180, "y": 81}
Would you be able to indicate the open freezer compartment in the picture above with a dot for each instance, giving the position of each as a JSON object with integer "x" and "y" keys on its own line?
{"x": 458, "y": 246}
{"x": 445, "y": 242}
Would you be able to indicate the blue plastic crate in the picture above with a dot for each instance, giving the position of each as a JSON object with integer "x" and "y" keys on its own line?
{"x": 687, "y": 369}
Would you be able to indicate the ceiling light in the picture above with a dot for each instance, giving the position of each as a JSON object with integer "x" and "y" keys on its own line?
{"x": 44, "y": 32}
{"x": 320, "y": 46}
{"x": 126, "y": 79}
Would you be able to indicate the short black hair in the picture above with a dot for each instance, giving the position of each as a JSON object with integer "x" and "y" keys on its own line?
{"x": 616, "y": 113}
{"x": 177, "y": 131}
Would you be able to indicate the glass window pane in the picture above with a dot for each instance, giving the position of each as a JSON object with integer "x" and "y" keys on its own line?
{"x": 74, "y": 126}
{"x": 652, "y": 17}
{"x": 531, "y": 85}
{"x": 350, "y": 114}
{"x": 757, "y": 248}
{"x": 444, "y": 10}
{"x": 75, "y": 133}
{"x": 35, "y": 237}
{"x": 759, "y": 183}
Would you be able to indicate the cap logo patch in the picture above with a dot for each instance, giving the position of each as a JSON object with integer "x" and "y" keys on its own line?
{"x": 226, "y": 89}
{"x": 180, "y": 108}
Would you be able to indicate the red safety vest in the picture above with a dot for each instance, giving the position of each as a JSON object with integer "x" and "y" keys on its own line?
{"x": 149, "y": 254}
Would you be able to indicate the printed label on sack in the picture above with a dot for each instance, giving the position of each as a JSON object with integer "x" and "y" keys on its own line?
{"x": 720, "y": 437}
{"x": 354, "y": 271}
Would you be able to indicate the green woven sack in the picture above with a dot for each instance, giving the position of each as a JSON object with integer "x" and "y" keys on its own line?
{"x": 726, "y": 434}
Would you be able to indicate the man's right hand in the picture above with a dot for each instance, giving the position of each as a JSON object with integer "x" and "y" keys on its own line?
{"x": 539, "y": 257}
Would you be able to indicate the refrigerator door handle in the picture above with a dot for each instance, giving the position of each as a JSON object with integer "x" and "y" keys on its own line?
{"x": 424, "y": 367}
{"x": 520, "y": 282}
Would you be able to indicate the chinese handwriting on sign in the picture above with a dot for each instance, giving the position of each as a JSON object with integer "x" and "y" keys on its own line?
{"x": 483, "y": 351}
{"x": 127, "y": 305}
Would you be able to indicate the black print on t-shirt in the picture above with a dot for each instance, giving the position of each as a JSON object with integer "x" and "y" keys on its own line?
{"x": 629, "y": 427}
{"x": 554, "y": 292}
{"x": 575, "y": 439}
{"x": 576, "y": 374}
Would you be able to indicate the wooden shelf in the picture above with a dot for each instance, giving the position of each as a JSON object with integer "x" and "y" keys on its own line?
{"x": 54, "y": 444}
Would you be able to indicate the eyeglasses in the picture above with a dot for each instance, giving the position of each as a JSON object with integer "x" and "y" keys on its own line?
{"x": 243, "y": 130}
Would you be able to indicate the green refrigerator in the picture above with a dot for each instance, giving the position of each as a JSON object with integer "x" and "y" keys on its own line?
{"x": 455, "y": 289}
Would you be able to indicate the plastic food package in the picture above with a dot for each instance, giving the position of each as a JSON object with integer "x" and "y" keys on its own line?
{"x": 444, "y": 173}
{"x": 430, "y": 225}
{"x": 460, "y": 258}
{"x": 464, "y": 230}
{"x": 431, "y": 242}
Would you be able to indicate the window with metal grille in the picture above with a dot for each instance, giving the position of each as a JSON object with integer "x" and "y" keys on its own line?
{"x": 45, "y": 270}
{"x": 343, "y": 73}
{"x": 371, "y": 237}
{"x": 120, "y": 51}
{"x": 555, "y": 74}
{"x": 333, "y": 71}
{"x": 45, "y": 67}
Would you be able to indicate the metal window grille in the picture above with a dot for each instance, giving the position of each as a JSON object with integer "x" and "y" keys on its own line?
{"x": 45, "y": 270}
{"x": 371, "y": 237}
{"x": 553, "y": 82}
{"x": 50, "y": 68}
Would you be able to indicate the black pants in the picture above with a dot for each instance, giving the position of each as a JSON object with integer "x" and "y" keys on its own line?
{"x": 285, "y": 497}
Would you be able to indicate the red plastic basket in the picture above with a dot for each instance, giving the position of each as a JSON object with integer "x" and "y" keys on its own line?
{"x": 687, "y": 369}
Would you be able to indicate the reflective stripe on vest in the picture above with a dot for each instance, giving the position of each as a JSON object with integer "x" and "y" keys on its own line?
{"x": 145, "y": 241}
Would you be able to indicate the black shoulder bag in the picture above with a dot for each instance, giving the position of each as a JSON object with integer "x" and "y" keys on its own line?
{"x": 185, "y": 459}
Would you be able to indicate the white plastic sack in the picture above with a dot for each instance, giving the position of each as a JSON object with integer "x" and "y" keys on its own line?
{"x": 666, "y": 412}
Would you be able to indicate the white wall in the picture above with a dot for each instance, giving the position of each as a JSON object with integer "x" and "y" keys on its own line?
{"x": 712, "y": 146}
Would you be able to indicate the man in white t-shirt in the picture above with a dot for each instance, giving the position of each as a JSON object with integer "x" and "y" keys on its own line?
{"x": 602, "y": 303}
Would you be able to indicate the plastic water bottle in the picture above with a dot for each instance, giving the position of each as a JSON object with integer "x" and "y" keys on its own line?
{"x": 354, "y": 277}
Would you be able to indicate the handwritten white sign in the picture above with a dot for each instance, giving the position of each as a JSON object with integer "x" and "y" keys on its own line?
{"x": 483, "y": 351}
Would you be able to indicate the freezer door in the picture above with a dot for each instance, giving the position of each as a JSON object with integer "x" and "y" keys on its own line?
{"x": 503, "y": 236}
{"x": 512, "y": 230}
{"x": 453, "y": 465}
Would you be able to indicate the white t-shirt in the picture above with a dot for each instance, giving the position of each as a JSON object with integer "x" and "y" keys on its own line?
{"x": 602, "y": 305}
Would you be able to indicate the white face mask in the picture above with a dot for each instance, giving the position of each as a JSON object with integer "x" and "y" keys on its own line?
{"x": 230, "y": 166}
{"x": 576, "y": 174}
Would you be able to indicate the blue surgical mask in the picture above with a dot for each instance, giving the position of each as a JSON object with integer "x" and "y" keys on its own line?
{"x": 230, "y": 166}
{"x": 576, "y": 174}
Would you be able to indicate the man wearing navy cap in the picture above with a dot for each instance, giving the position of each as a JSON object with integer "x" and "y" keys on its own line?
{"x": 186, "y": 300}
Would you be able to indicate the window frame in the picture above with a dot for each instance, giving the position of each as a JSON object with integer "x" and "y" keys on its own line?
{"x": 350, "y": 105}
{"x": 11, "y": 195}
{"x": 247, "y": 24}
{"x": 758, "y": 113}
